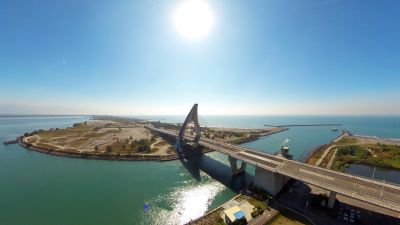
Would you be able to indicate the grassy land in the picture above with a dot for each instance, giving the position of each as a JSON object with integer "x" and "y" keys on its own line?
{"x": 316, "y": 155}
{"x": 287, "y": 218}
{"x": 381, "y": 155}
{"x": 100, "y": 137}
{"x": 257, "y": 203}
{"x": 347, "y": 141}
{"x": 232, "y": 135}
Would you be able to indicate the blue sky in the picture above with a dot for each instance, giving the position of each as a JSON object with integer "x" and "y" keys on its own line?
{"x": 261, "y": 57}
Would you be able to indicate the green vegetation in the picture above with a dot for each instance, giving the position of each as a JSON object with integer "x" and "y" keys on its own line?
{"x": 259, "y": 194}
{"x": 33, "y": 132}
{"x": 259, "y": 207}
{"x": 110, "y": 138}
{"x": 347, "y": 141}
{"x": 108, "y": 149}
{"x": 220, "y": 222}
{"x": 258, "y": 204}
{"x": 316, "y": 154}
{"x": 241, "y": 221}
{"x": 235, "y": 134}
{"x": 385, "y": 156}
{"x": 129, "y": 146}
{"x": 288, "y": 218}
{"x": 166, "y": 125}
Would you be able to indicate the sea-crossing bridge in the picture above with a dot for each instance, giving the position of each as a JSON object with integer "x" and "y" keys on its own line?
{"x": 272, "y": 172}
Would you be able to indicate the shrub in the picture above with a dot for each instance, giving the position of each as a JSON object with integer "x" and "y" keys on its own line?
{"x": 108, "y": 149}
{"x": 255, "y": 213}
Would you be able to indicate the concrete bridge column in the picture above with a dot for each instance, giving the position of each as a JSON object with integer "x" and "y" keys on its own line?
{"x": 269, "y": 181}
{"x": 332, "y": 198}
{"x": 234, "y": 167}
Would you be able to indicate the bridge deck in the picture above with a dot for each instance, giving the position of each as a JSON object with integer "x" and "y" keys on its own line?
{"x": 375, "y": 192}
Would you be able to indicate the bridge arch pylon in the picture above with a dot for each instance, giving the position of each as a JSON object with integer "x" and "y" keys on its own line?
{"x": 191, "y": 117}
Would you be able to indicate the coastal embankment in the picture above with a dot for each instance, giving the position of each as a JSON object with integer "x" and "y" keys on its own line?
{"x": 113, "y": 157}
{"x": 317, "y": 153}
{"x": 254, "y": 137}
{"x": 10, "y": 142}
{"x": 349, "y": 149}
{"x": 123, "y": 140}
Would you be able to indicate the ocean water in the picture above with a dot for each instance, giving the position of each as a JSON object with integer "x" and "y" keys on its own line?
{"x": 302, "y": 139}
{"x": 43, "y": 189}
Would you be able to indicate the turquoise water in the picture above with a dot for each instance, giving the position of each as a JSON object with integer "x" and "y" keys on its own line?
{"x": 42, "y": 189}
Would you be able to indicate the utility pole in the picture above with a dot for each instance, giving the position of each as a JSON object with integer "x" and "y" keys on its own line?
{"x": 373, "y": 173}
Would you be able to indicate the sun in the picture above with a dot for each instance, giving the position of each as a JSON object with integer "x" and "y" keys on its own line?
{"x": 194, "y": 19}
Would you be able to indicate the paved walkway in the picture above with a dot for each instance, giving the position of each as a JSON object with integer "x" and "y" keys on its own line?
{"x": 319, "y": 161}
{"x": 331, "y": 159}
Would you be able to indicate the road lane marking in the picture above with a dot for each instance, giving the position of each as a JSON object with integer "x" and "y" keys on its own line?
{"x": 316, "y": 174}
{"x": 260, "y": 158}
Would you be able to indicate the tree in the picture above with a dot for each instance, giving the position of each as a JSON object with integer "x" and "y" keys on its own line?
{"x": 144, "y": 145}
{"x": 108, "y": 149}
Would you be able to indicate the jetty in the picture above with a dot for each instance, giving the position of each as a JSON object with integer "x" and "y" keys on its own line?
{"x": 305, "y": 125}
{"x": 10, "y": 142}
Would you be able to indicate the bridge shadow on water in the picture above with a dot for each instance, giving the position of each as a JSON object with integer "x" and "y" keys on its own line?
{"x": 217, "y": 171}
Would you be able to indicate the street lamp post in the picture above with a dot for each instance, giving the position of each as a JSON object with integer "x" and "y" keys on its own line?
{"x": 373, "y": 173}
{"x": 306, "y": 207}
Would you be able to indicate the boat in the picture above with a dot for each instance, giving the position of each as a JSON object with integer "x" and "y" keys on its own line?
{"x": 284, "y": 150}
{"x": 334, "y": 129}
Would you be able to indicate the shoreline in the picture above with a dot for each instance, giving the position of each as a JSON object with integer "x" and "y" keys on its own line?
{"x": 109, "y": 157}
{"x": 323, "y": 147}
{"x": 128, "y": 157}
{"x": 257, "y": 136}
{"x": 332, "y": 156}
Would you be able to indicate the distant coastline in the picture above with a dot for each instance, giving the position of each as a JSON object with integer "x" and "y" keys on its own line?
{"x": 40, "y": 115}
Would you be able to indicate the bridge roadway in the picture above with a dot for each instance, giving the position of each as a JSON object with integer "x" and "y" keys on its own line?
{"x": 375, "y": 192}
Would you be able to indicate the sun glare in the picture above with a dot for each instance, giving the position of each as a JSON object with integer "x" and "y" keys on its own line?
{"x": 194, "y": 19}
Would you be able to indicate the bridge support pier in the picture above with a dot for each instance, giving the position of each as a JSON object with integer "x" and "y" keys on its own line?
{"x": 234, "y": 167}
{"x": 269, "y": 181}
{"x": 332, "y": 198}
